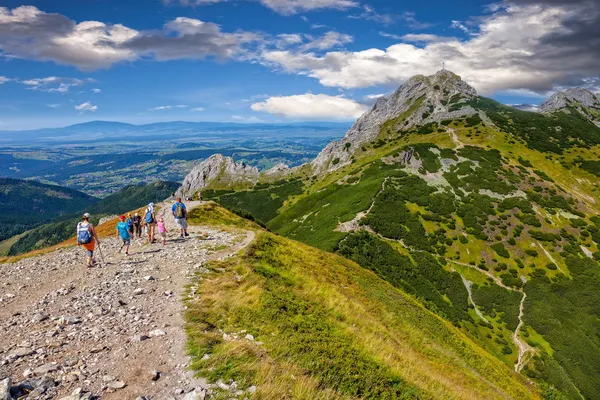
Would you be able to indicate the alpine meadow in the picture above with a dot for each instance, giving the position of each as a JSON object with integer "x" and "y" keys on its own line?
{"x": 300, "y": 200}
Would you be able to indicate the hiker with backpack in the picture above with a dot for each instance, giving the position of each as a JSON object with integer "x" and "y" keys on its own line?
{"x": 137, "y": 225}
{"x": 123, "y": 234}
{"x": 87, "y": 237}
{"x": 150, "y": 221}
{"x": 180, "y": 214}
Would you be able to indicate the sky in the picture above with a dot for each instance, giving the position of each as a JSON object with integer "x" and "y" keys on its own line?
{"x": 142, "y": 61}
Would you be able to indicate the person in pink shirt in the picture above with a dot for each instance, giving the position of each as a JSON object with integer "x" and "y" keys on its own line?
{"x": 162, "y": 229}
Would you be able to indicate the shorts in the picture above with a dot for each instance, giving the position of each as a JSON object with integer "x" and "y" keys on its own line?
{"x": 126, "y": 242}
{"x": 181, "y": 223}
{"x": 90, "y": 247}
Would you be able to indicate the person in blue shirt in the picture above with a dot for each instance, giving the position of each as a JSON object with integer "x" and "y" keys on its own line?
{"x": 180, "y": 214}
{"x": 123, "y": 234}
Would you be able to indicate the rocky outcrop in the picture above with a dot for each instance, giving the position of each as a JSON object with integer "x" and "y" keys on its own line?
{"x": 582, "y": 100}
{"x": 218, "y": 170}
{"x": 279, "y": 170}
{"x": 419, "y": 101}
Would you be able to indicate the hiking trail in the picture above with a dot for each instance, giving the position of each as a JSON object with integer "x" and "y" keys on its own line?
{"x": 115, "y": 331}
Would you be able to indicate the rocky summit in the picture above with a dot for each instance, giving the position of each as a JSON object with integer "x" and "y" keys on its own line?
{"x": 218, "y": 170}
{"x": 421, "y": 100}
{"x": 581, "y": 100}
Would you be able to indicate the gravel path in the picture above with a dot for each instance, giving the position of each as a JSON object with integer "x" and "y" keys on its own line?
{"x": 111, "y": 332}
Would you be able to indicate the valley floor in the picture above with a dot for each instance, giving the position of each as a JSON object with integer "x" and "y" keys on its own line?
{"x": 114, "y": 331}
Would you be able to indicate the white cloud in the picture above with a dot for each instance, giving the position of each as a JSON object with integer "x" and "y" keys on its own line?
{"x": 197, "y": 109}
{"x": 311, "y": 107}
{"x": 87, "y": 106}
{"x": 285, "y": 7}
{"x": 53, "y": 105}
{"x": 390, "y": 36}
{"x": 327, "y": 41}
{"x": 370, "y": 14}
{"x": 27, "y": 32}
{"x": 374, "y": 96}
{"x": 290, "y": 7}
{"x": 511, "y": 51}
{"x": 96, "y": 90}
{"x": 164, "y": 108}
{"x": 247, "y": 120}
{"x": 4, "y": 79}
{"x": 526, "y": 107}
{"x": 54, "y": 84}
{"x": 425, "y": 38}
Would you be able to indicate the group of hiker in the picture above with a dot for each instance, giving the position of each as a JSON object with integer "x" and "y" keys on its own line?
{"x": 130, "y": 226}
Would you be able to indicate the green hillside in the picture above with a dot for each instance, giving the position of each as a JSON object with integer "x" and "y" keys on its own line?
{"x": 324, "y": 328}
{"x": 490, "y": 221}
{"x": 26, "y": 204}
{"x": 128, "y": 198}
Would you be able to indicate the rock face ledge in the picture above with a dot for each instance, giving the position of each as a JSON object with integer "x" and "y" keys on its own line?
{"x": 421, "y": 100}
{"x": 218, "y": 168}
{"x": 582, "y": 100}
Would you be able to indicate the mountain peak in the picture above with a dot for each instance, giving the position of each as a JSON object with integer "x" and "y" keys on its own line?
{"x": 419, "y": 101}
{"x": 582, "y": 100}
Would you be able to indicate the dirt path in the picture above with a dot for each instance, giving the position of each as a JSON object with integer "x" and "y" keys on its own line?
{"x": 106, "y": 330}
{"x": 455, "y": 138}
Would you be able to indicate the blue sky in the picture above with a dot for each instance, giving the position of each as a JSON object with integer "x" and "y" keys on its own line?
{"x": 271, "y": 60}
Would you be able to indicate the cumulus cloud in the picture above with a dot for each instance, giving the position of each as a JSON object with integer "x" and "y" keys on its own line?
{"x": 4, "y": 79}
{"x": 96, "y": 90}
{"x": 54, "y": 84}
{"x": 521, "y": 46}
{"x": 311, "y": 107}
{"x": 27, "y": 32}
{"x": 87, "y": 106}
{"x": 197, "y": 109}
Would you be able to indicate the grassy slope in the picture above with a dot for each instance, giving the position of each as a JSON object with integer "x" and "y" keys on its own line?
{"x": 329, "y": 329}
{"x": 313, "y": 216}
{"x": 24, "y": 204}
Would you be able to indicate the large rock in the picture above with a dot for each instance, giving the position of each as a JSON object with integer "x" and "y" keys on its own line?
{"x": 419, "y": 101}
{"x": 582, "y": 100}
{"x": 5, "y": 389}
{"x": 218, "y": 170}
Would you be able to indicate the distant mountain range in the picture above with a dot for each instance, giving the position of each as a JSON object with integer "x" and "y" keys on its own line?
{"x": 119, "y": 131}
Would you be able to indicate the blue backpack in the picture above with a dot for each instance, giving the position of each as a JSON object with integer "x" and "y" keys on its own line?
{"x": 83, "y": 234}
{"x": 148, "y": 217}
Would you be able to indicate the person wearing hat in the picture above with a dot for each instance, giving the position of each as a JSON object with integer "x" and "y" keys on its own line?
{"x": 150, "y": 221}
{"x": 87, "y": 237}
{"x": 123, "y": 234}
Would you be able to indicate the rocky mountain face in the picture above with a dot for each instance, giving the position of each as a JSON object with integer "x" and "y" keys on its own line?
{"x": 419, "y": 101}
{"x": 582, "y": 100}
{"x": 218, "y": 169}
